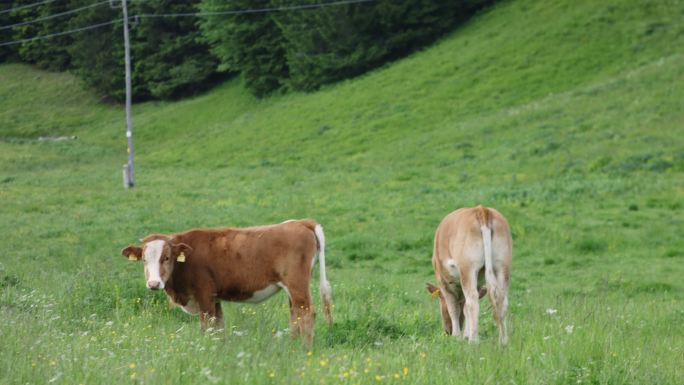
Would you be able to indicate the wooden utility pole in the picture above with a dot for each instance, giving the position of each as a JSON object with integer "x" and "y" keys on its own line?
{"x": 128, "y": 171}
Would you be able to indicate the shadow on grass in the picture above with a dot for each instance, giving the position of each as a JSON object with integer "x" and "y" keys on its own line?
{"x": 364, "y": 332}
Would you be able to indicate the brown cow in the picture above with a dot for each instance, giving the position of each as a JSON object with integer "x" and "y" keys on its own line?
{"x": 200, "y": 267}
{"x": 470, "y": 243}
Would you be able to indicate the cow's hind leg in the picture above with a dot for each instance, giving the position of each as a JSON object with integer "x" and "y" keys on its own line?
{"x": 294, "y": 325}
{"x": 301, "y": 312}
{"x": 472, "y": 304}
{"x": 499, "y": 301}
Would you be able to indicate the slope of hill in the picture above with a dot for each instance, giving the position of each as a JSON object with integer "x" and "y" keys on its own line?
{"x": 566, "y": 116}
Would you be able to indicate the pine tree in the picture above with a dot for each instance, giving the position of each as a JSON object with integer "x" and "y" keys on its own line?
{"x": 98, "y": 54}
{"x": 17, "y": 13}
{"x": 249, "y": 43}
{"x": 170, "y": 57}
{"x": 327, "y": 44}
{"x": 52, "y": 53}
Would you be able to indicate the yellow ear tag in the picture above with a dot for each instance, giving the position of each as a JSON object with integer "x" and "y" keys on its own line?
{"x": 435, "y": 294}
{"x": 181, "y": 258}
{"x": 132, "y": 257}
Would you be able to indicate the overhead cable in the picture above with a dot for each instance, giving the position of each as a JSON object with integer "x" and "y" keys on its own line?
{"x": 75, "y": 10}
{"x": 61, "y": 33}
{"x": 151, "y": 15}
{"x": 26, "y": 6}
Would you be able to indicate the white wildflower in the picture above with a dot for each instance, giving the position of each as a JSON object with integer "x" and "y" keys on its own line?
{"x": 551, "y": 311}
{"x": 207, "y": 373}
{"x": 569, "y": 329}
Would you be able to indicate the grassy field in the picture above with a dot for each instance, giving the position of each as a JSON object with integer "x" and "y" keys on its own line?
{"x": 567, "y": 116}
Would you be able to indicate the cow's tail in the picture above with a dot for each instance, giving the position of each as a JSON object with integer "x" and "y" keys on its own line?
{"x": 326, "y": 291}
{"x": 490, "y": 278}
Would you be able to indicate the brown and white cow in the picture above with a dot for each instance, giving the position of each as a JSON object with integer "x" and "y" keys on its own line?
{"x": 471, "y": 243}
{"x": 198, "y": 268}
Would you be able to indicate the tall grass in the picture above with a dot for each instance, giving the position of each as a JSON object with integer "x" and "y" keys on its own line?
{"x": 565, "y": 116}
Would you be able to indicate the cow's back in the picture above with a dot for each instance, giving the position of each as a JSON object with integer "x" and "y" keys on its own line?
{"x": 460, "y": 233}
{"x": 244, "y": 260}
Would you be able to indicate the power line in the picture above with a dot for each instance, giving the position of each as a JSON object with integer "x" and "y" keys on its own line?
{"x": 258, "y": 10}
{"x": 60, "y": 33}
{"x": 27, "y": 6}
{"x": 53, "y": 16}
{"x": 236, "y": 12}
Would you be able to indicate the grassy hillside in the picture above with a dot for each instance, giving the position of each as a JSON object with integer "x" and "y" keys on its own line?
{"x": 566, "y": 116}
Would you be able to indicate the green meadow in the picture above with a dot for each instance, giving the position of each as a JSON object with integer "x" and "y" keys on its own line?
{"x": 566, "y": 116}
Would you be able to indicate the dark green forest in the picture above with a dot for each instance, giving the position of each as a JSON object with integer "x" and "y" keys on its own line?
{"x": 181, "y": 48}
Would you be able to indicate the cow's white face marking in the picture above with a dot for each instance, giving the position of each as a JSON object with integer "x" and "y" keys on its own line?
{"x": 153, "y": 253}
{"x": 263, "y": 294}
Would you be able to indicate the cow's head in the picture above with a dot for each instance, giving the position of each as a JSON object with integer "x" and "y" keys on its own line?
{"x": 436, "y": 293}
{"x": 160, "y": 255}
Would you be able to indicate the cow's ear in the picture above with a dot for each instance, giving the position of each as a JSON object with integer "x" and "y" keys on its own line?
{"x": 134, "y": 253}
{"x": 180, "y": 251}
{"x": 433, "y": 290}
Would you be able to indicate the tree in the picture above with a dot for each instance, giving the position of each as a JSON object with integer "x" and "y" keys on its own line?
{"x": 304, "y": 47}
{"x": 169, "y": 55}
{"x": 9, "y": 52}
{"x": 249, "y": 43}
{"x": 98, "y": 54}
{"x": 168, "y": 58}
{"x": 50, "y": 54}
{"x": 331, "y": 43}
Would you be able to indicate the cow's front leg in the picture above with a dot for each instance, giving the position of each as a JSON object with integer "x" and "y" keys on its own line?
{"x": 446, "y": 319}
{"x": 453, "y": 311}
{"x": 208, "y": 311}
